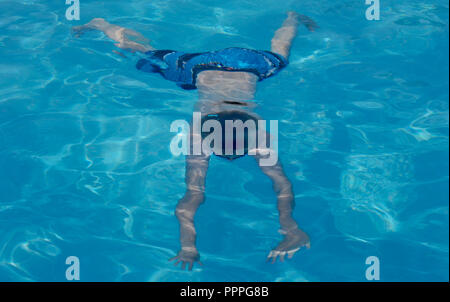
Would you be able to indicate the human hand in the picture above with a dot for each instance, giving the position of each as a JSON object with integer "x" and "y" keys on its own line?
{"x": 187, "y": 256}
{"x": 293, "y": 241}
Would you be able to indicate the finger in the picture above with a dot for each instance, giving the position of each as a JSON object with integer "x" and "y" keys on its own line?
{"x": 183, "y": 266}
{"x": 269, "y": 256}
{"x": 290, "y": 254}
{"x": 282, "y": 254}
{"x": 178, "y": 261}
{"x": 293, "y": 251}
{"x": 272, "y": 253}
{"x": 274, "y": 258}
{"x": 199, "y": 262}
{"x": 191, "y": 264}
{"x": 174, "y": 257}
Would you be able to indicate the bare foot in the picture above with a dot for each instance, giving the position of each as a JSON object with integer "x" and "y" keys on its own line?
{"x": 305, "y": 20}
{"x": 186, "y": 256}
{"x": 308, "y": 22}
{"x": 291, "y": 243}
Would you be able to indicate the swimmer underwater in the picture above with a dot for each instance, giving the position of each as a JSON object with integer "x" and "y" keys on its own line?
{"x": 226, "y": 83}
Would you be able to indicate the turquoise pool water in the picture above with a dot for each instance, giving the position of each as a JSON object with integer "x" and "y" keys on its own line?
{"x": 86, "y": 170}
